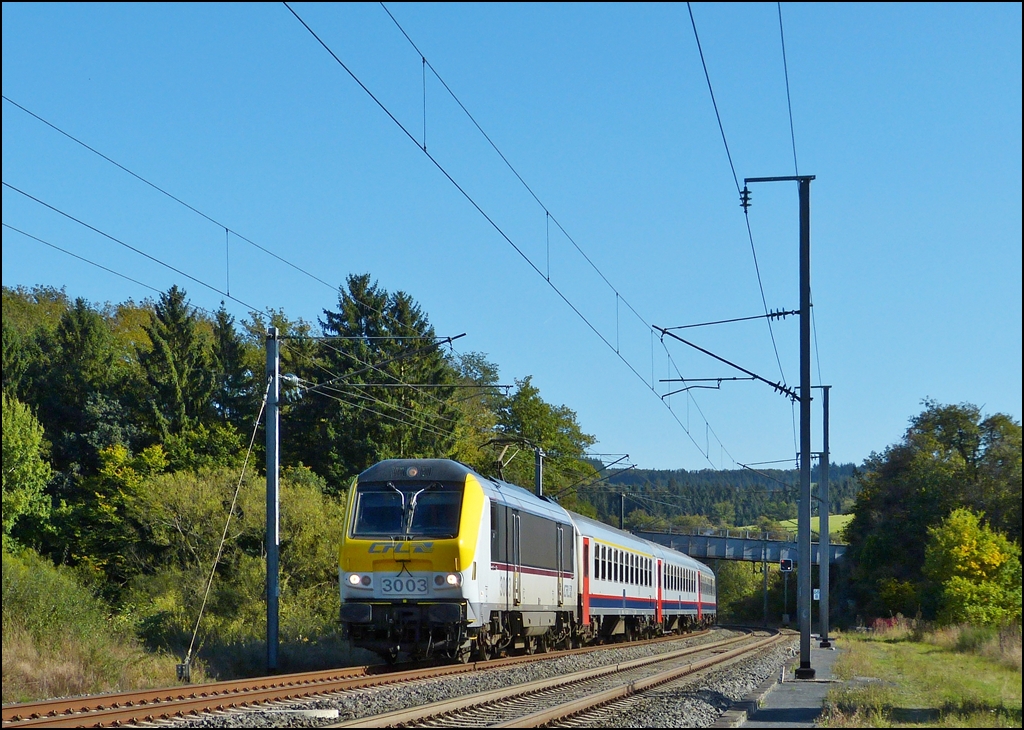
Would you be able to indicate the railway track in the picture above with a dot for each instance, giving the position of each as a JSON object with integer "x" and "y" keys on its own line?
{"x": 545, "y": 701}
{"x": 126, "y": 708}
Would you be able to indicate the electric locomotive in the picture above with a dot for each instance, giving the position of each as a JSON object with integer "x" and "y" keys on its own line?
{"x": 437, "y": 560}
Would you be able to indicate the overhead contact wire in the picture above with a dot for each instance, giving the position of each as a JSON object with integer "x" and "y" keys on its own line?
{"x": 483, "y": 213}
{"x": 133, "y": 248}
{"x": 192, "y": 208}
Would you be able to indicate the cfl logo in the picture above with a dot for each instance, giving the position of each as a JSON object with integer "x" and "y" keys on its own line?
{"x": 400, "y": 548}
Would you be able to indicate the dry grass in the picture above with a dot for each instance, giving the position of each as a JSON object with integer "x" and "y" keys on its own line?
{"x": 33, "y": 670}
{"x": 1000, "y": 645}
{"x": 906, "y": 674}
{"x": 59, "y": 640}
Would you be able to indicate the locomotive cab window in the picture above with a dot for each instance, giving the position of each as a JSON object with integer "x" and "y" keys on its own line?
{"x": 407, "y": 509}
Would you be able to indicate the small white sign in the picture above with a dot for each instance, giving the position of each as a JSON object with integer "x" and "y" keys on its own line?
{"x": 817, "y": 594}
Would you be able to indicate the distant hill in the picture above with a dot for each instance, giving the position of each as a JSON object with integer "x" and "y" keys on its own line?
{"x": 663, "y": 497}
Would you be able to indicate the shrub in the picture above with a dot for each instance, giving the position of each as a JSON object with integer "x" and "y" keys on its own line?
{"x": 60, "y": 640}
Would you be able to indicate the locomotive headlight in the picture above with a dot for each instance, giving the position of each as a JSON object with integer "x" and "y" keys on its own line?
{"x": 353, "y": 579}
{"x": 448, "y": 580}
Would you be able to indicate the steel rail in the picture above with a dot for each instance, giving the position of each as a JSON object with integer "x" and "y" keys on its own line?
{"x": 421, "y": 713}
{"x": 567, "y": 709}
{"x": 150, "y": 705}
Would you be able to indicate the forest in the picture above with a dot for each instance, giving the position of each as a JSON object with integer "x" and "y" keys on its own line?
{"x": 133, "y": 473}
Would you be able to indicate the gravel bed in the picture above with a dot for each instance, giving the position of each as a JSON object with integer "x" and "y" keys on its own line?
{"x": 375, "y": 700}
{"x": 691, "y": 703}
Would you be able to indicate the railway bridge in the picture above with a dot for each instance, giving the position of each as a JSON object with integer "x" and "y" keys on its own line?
{"x": 749, "y": 545}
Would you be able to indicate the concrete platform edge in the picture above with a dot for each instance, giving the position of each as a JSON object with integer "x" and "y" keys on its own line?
{"x": 741, "y": 710}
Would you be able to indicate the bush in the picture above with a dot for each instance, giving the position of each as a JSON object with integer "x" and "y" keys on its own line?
{"x": 60, "y": 640}
{"x": 184, "y": 514}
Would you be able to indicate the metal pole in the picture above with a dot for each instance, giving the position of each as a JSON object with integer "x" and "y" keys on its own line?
{"x": 538, "y": 453}
{"x": 622, "y": 511}
{"x": 785, "y": 598}
{"x": 823, "y": 511}
{"x": 273, "y": 502}
{"x": 764, "y": 569}
{"x": 803, "y": 587}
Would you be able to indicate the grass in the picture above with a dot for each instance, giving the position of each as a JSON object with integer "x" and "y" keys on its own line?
{"x": 836, "y": 525}
{"x": 60, "y": 641}
{"x": 900, "y": 676}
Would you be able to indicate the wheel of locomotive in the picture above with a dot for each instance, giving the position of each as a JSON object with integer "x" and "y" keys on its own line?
{"x": 482, "y": 645}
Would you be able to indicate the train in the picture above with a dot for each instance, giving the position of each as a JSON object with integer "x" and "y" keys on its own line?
{"x": 440, "y": 562}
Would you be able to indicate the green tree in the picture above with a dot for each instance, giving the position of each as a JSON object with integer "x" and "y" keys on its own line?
{"x": 525, "y": 415}
{"x": 178, "y": 367}
{"x": 477, "y": 402}
{"x": 79, "y": 371}
{"x": 949, "y": 458}
{"x": 185, "y": 515}
{"x": 977, "y": 570}
{"x": 377, "y": 387}
{"x": 25, "y": 470}
{"x": 95, "y": 530}
{"x": 239, "y": 374}
{"x": 639, "y": 519}
{"x": 724, "y": 513}
{"x": 16, "y": 358}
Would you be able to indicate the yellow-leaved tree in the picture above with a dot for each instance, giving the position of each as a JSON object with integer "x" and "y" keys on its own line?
{"x": 977, "y": 570}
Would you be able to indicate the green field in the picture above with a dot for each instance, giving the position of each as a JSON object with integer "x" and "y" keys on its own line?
{"x": 836, "y": 525}
{"x": 957, "y": 677}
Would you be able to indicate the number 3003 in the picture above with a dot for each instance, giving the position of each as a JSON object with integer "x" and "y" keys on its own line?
{"x": 406, "y": 585}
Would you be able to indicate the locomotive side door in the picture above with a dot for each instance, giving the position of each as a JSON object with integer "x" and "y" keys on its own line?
{"x": 560, "y": 560}
{"x": 517, "y": 597}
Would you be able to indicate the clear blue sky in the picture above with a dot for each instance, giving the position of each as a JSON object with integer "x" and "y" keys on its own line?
{"x": 909, "y": 116}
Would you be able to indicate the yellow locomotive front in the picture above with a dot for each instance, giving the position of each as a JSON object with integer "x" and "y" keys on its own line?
{"x": 407, "y": 559}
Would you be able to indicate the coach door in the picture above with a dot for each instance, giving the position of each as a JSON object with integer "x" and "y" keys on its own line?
{"x": 559, "y": 557}
{"x": 517, "y": 560}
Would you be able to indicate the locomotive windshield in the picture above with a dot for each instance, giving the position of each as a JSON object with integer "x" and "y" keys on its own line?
{"x": 407, "y": 510}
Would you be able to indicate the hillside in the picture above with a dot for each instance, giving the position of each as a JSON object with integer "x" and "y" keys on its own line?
{"x": 660, "y": 498}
